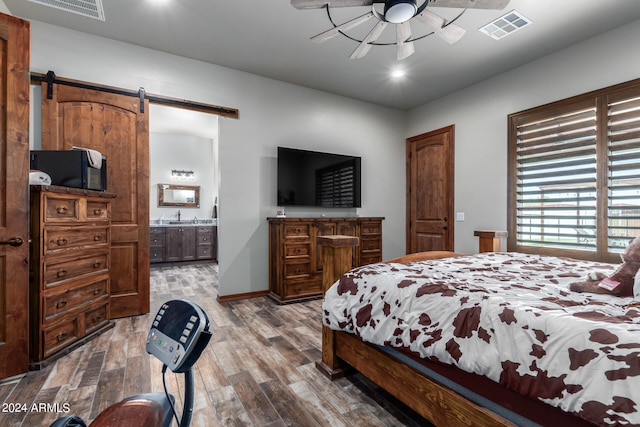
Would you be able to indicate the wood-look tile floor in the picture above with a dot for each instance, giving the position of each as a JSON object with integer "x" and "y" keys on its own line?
{"x": 258, "y": 369}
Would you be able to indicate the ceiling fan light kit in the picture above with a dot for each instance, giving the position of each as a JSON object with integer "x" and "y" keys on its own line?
{"x": 399, "y": 13}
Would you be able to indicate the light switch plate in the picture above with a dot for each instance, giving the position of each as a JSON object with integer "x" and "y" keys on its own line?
{"x": 459, "y": 216}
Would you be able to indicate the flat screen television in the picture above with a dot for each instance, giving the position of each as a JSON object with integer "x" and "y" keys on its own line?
{"x": 312, "y": 178}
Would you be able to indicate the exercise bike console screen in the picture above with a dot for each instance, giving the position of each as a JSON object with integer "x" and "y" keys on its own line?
{"x": 179, "y": 334}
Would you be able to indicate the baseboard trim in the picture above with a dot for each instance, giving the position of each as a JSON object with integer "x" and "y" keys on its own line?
{"x": 237, "y": 297}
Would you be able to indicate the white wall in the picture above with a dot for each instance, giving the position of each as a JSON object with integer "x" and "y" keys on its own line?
{"x": 480, "y": 117}
{"x": 272, "y": 113}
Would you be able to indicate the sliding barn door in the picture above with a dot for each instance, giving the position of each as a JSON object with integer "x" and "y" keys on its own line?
{"x": 114, "y": 125}
{"x": 14, "y": 187}
{"x": 430, "y": 188}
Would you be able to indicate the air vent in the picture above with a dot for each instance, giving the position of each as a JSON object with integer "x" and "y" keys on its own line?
{"x": 89, "y": 8}
{"x": 505, "y": 25}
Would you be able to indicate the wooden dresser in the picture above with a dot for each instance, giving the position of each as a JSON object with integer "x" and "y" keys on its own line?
{"x": 70, "y": 259}
{"x": 295, "y": 258}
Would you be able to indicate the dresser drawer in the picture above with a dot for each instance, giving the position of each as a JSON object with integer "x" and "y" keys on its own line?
{"x": 62, "y": 238}
{"x": 297, "y": 270}
{"x": 370, "y": 245}
{"x": 371, "y": 227}
{"x": 98, "y": 210}
{"x": 297, "y": 230}
{"x": 303, "y": 289}
{"x": 59, "y": 336}
{"x": 96, "y": 318}
{"x": 371, "y": 258}
{"x": 59, "y": 303}
{"x": 61, "y": 209}
{"x": 56, "y": 273}
{"x": 296, "y": 250}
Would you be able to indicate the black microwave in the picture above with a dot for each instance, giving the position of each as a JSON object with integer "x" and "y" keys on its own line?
{"x": 70, "y": 168}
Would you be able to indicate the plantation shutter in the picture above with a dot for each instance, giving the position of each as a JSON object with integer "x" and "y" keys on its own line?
{"x": 574, "y": 175}
{"x": 623, "y": 182}
{"x": 556, "y": 177}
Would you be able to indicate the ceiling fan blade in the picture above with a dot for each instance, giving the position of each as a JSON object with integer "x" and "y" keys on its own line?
{"x": 329, "y": 34}
{"x": 317, "y": 4}
{"x": 469, "y": 4}
{"x": 404, "y": 48}
{"x": 364, "y": 47}
{"x": 451, "y": 33}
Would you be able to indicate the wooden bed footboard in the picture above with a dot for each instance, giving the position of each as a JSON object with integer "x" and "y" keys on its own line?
{"x": 342, "y": 352}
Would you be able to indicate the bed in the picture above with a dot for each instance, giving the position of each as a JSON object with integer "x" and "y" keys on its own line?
{"x": 488, "y": 339}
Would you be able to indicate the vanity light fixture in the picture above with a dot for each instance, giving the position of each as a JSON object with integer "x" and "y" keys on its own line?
{"x": 182, "y": 175}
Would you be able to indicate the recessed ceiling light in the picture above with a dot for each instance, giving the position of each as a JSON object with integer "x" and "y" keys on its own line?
{"x": 396, "y": 74}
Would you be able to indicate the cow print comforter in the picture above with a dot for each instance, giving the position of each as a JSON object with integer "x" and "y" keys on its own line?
{"x": 507, "y": 316}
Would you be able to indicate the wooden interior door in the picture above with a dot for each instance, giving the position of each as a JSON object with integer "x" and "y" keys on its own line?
{"x": 114, "y": 125}
{"x": 430, "y": 191}
{"x": 14, "y": 187}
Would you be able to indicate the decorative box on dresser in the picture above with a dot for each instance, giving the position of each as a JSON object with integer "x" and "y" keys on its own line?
{"x": 70, "y": 260}
{"x": 295, "y": 257}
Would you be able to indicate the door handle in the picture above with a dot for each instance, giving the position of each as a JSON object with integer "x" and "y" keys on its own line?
{"x": 14, "y": 241}
{"x": 445, "y": 228}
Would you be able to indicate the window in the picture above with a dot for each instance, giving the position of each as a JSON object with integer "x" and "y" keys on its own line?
{"x": 574, "y": 184}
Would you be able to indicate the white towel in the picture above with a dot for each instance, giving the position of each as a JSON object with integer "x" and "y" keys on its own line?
{"x": 94, "y": 156}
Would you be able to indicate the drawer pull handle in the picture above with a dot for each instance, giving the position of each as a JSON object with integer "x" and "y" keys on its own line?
{"x": 61, "y": 303}
{"x": 61, "y": 273}
{"x": 97, "y": 211}
{"x": 62, "y": 209}
{"x": 62, "y": 241}
{"x": 97, "y": 264}
{"x": 97, "y": 238}
{"x": 204, "y": 239}
{"x": 61, "y": 336}
{"x": 97, "y": 291}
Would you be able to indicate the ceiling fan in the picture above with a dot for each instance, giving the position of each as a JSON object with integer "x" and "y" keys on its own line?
{"x": 397, "y": 12}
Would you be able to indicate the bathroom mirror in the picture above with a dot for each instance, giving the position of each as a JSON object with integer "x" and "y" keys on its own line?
{"x": 186, "y": 196}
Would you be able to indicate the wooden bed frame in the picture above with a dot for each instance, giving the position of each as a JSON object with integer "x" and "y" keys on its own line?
{"x": 343, "y": 352}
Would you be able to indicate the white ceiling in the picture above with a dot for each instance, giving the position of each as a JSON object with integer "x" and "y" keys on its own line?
{"x": 271, "y": 38}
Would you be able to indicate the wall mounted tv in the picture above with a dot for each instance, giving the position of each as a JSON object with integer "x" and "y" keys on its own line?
{"x": 311, "y": 178}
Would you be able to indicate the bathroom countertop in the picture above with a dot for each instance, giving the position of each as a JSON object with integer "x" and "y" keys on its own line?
{"x": 185, "y": 223}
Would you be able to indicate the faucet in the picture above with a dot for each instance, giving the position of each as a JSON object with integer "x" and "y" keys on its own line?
{"x": 178, "y": 214}
{"x": 195, "y": 219}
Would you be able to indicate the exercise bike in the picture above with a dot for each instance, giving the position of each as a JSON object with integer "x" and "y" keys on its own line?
{"x": 178, "y": 335}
